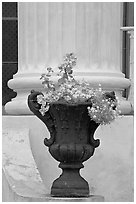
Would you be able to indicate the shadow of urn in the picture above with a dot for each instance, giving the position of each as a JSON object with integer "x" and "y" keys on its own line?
{"x": 71, "y": 143}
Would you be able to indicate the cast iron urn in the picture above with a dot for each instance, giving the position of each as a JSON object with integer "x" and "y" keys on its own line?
{"x": 71, "y": 143}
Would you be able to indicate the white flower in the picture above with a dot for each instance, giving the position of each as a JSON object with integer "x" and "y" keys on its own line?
{"x": 92, "y": 109}
{"x": 40, "y": 99}
{"x": 67, "y": 98}
{"x": 44, "y": 108}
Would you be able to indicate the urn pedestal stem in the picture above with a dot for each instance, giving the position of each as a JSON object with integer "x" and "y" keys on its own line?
{"x": 70, "y": 183}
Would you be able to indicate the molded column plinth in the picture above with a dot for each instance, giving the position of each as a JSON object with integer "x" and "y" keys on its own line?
{"x": 25, "y": 82}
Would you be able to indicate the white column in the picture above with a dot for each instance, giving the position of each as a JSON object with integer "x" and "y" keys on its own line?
{"x": 47, "y": 31}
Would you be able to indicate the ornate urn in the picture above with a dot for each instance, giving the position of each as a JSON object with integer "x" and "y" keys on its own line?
{"x": 71, "y": 143}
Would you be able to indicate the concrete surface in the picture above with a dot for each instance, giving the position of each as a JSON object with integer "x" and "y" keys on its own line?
{"x": 109, "y": 172}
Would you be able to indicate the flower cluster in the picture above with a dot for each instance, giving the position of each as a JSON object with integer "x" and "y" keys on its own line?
{"x": 68, "y": 90}
{"x": 104, "y": 107}
{"x": 44, "y": 105}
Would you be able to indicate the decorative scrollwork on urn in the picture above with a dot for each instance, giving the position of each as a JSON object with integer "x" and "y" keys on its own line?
{"x": 47, "y": 118}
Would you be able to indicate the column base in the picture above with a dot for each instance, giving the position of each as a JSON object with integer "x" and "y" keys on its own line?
{"x": 25, "y": 82}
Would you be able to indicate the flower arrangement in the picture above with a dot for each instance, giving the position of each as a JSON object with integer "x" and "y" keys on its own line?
{"x": 104, "y": 107}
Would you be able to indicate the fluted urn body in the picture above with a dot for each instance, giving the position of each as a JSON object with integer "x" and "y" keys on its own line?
{"x": 71, "y": 143}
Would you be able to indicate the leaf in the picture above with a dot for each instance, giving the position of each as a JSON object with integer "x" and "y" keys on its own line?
{"x": 49, "y": 69}
{"x": 61, "y": 81}
{"x": 48, "y": 75}
{"x": 68, "y": 69}
{"x": 42, "y": 76}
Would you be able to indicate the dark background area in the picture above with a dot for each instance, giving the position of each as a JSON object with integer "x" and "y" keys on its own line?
{"x": 9, "y": 48}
